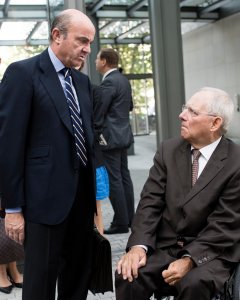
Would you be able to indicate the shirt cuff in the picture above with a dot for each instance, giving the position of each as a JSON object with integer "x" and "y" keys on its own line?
{"x": 13, "y": 210}
{"x": 186, "y": 255}
{"x": 142, "y": 246}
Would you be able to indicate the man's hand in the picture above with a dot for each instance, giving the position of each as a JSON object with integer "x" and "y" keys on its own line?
{"x": 177, "y": 270}
{"x": 14, "y": 227}
{"x": 129, "y": 264}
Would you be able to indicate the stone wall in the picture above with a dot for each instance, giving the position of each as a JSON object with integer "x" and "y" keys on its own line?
{"x": 211, "y": 57}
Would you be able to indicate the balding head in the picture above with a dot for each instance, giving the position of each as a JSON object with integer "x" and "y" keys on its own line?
{"x": 64, "y": 19}
{"x": 72, "y": 32}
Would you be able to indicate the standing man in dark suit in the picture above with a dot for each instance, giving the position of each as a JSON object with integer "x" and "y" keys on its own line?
{"x": 185, "y": 233}
{"x": 47, "y": 184}
{"x": 115, "y": 97}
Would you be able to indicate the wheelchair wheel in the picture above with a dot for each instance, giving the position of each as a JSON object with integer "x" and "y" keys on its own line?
{"x": 236, "y": 284}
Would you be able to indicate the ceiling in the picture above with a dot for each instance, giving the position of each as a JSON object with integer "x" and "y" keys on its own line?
{"x": 25, "y": 22}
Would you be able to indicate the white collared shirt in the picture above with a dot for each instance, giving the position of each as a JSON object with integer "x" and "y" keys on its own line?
{"x": 206, "y": 153}
{"x": 108, "y": 72}
{"x": 58, "y": 65}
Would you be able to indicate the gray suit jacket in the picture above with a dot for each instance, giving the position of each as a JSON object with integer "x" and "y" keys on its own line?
{"x": 206, "y": 216}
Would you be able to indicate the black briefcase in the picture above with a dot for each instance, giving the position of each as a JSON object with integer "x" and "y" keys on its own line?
{"x": 101, "y": 278}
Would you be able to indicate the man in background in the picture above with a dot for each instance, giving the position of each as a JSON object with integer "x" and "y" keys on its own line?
{"x": 115, "y": 97}
{"x": 46, "y": 166}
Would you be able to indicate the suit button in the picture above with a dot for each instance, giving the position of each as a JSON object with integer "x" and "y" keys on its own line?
{"x": 200, "y": 261}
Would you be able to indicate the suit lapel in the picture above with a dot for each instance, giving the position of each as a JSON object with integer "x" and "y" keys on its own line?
{"x": 183, "y": 166}
{"x": 82, "y": 91}
{"x": 213, "y": 167}
{"x": 52, "y": 84}
{"x": 50, "y": 80}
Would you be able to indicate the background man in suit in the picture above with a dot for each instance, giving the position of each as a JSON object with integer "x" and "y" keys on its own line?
{"x": 115, "y": 96}
{"x": 190, "y": 233}
{"x": 48, "y": 191}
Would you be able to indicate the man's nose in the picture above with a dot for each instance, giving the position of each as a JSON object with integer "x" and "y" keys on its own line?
{"x": 87, "y": 49}
{"x": 183, "y": 115}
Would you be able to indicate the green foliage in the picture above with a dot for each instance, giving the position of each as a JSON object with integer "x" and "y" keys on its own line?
{"x": 136, "y": 59}
{"x": 28, "y": 51}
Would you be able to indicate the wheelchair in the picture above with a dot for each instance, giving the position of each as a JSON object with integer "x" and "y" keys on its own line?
{"x": 231, "y": 290}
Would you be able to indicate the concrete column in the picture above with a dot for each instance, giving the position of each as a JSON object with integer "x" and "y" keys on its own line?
{"x": 167, "y": 60}
{"x": 92, "y": 72}
{"x": 78, "y": 4}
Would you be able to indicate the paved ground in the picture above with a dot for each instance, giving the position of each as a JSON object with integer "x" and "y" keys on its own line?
{"x": 139, "y": 164}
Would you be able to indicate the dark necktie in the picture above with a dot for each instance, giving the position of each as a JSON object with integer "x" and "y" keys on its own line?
{"x": 195, "y": 165}
{"x": 75, "y": 117}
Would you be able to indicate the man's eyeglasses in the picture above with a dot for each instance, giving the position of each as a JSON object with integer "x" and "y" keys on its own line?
{"x": 194, "y": 113}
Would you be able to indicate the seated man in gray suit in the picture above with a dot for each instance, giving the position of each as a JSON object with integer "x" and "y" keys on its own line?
{"x": 186, "y": 230}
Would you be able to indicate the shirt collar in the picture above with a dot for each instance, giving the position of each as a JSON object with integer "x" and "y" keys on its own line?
{"x": 208, "y": 150}
{"x": 108, "y": 72}
{"x": 58, "y": 65}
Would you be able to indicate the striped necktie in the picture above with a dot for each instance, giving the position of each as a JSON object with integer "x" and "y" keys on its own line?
{"x": 75, "y": 117}
{"x": 195, "y": 165}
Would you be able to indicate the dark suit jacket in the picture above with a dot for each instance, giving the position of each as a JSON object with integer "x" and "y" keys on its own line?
{"x": 115, "y": 96}
{"x": 39, "y": 169}
{"x": 98, "y": 119}
{"x": 207, "y": 216}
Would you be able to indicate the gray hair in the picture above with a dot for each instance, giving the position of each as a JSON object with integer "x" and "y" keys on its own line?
{"x": 220, "y": 104}
{"x": 62, "y": 22}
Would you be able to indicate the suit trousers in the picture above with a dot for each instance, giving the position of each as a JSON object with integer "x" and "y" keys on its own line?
{"x": 60, "y": 253}
{"x": 121, "y": 186}
{"x": 202, "y": 282}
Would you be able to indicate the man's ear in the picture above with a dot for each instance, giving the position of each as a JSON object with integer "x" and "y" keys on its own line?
{"x": 104, "y": 62}
{"x": 216, "y": 123}
{"x": 56, "y": 36}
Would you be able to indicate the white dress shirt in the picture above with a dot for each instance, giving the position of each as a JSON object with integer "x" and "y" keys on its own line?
{"x": 206, "y": 153}
{"x": 108, "y": 72}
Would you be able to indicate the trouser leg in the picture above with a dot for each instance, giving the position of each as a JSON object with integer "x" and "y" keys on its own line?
{"x": 201, "y": 283}
{"x": 128, "y": 186}
{"x": 60, "y": 252}
{"x": 117, "y": 195}
{"x": 207, "y": 280}
{"x": 42, "y": 259}
{"x": 75, "y": 271}
{"x": 149, "y": 278}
